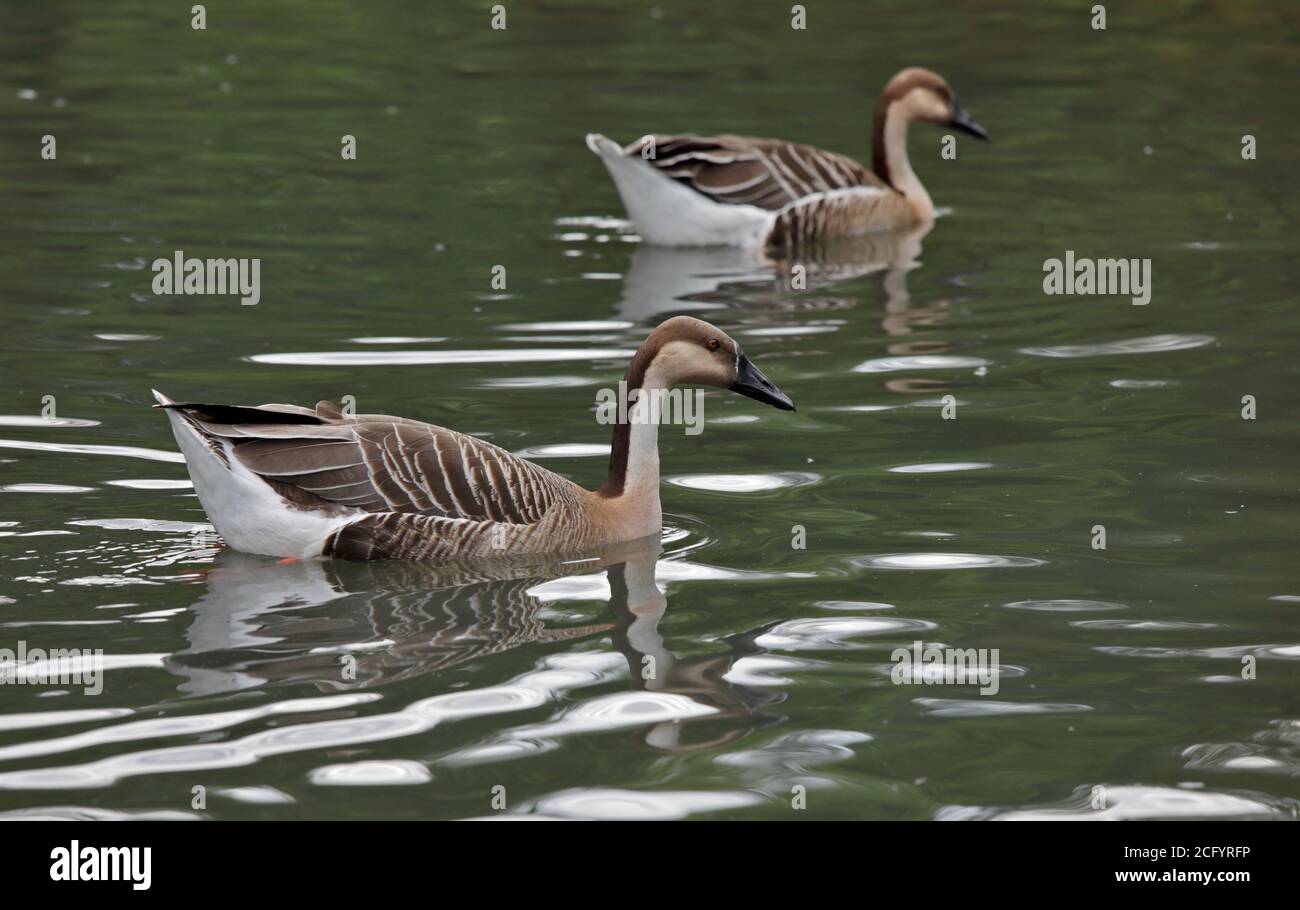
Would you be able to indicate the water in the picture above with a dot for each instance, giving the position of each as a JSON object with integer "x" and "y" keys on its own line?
{"x": 1122, "y": 668}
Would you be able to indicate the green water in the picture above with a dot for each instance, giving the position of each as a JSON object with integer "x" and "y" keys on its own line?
{"x": 1122, "y": 668}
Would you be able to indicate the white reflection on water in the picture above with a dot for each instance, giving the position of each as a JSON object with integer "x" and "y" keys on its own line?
{"x": 1131, "y": 802}
{"x": 1142, "y": 625}
{"x": 767, "y": 670}
{"x": 945, "y": 561}
{"x": 144, "y": 524}
{"x": 151, "y": 484}
{"x": 374, "y": 773}
{"x": 834, "y": 632}
{"x": 35, "y": 420}
{"x": 1150, "y": 344}
{"x": 788, "y": 759}
{"x": 95, "y": 814}
{"x": 939, "y": 467}
{"x": 185, "y": 725}
{"x": 44, "y": 488}
{"x": 983, "y": 707}
{"x": 1066, "y": 605}
{"x": 743, "y": 483}
{"x": 565, "y": 450}
{"x": 397, "y": 339}
{"x": 538, "y": 382}
{"x": 650, "y": 805}
{"x": 256, "y": 796}
{"x": 921, "y": 362}
{"x": 54, "y": 718}
{"x": 1234, "y": 652}
{"x": 610, "y": 712}
{"x": 590, "y": 325}
{"x": 437, "y": 358}
{"x": 558, "y": 674}
{"x": 1275, "y": 750}
{"x": 1141, "y": 383}
{"x": 71, "y": 449}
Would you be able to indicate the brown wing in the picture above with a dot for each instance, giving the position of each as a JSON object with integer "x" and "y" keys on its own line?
{"x": 381, "y": 464}
{"x": 738, "y": 170}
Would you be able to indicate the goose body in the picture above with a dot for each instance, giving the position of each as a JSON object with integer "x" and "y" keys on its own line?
{"x": 686, "y": 190}
{"x": 282, "y": 480}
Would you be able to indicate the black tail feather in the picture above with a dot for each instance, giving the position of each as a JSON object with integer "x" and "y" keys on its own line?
{"x": 231, "y": 414}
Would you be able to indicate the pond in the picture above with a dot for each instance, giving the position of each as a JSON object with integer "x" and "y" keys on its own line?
{"x": 1104, "y": 493}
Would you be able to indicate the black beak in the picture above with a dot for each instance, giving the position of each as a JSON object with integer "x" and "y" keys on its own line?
{"x": 966, "y": 123}
{"x": 751, "y": 383}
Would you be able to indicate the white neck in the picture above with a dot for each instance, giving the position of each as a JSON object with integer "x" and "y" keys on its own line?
{"x": 901, "y": 174}
{"x": 643, "y": 450}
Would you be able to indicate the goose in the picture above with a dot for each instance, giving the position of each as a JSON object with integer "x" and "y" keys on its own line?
{"x": 687, "y": 190}
{"x": 288, "y": 481}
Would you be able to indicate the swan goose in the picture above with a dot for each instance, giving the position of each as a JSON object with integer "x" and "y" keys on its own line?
{"x": 288, "y": 481}
{"x": 727, "y": 190}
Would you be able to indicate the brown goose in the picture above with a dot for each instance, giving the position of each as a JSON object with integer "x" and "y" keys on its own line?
{"x": 281, "y": 480}
{"x": 739, "y": 191}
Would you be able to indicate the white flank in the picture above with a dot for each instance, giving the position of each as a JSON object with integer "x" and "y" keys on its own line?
{"x": 667, "y": 213}
{"x": 246, "y": 512}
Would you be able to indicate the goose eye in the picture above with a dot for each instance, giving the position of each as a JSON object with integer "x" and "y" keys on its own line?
{"x": 712, "y": 344}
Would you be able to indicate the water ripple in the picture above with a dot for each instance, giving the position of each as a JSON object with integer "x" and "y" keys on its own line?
{"x": 920, "y": 362}
{"x": 437, "y": 358}
{"x": 939, "y": 467}
{"x": 35, "y": 420}
{"x": 44, "y": 488}
{"x": 834, "y": 632}
{"x": 609, "y": 804}
{"x": 393, "y": 772}
{"x": 565, "y": 450}
{"x": 743, "y": 483}
{"x": 1136, "y": 802}
{"x": 71, "y": 449}
{"x": 256, "y": 796}
{"x": 1066, "y": 605}
{"x": 1150, "y": 344}
{"x": 610, "y": 712}
{"x": 984, "y": 707}
{"x": 766, "y": 670}
{"x": 559, "y": 673}
{"x": 944, "y": 561}
{"x": 1142, "y": 625}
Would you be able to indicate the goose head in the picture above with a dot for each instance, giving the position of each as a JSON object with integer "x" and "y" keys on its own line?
{"x": 914, "y": 94}
{"x": 688, "y": 351}
{"x": 920, "y": 94}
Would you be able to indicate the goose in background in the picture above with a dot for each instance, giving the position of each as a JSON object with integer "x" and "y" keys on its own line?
{"x": 288, "y": 481}
{"x": 686, "y": 190}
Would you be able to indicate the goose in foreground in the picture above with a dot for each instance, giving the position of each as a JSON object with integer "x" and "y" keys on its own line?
{"x": 282, "y": 480}
{"x": 738, "y": 191}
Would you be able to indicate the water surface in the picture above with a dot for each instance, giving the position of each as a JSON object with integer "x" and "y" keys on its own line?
{"x": 1122, "y": 668}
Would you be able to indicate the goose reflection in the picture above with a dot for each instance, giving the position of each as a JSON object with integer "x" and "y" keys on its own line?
{"x": 638, "y": 605}
{"x": 348, "y": 625}
{"x": 663, "y": 280}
